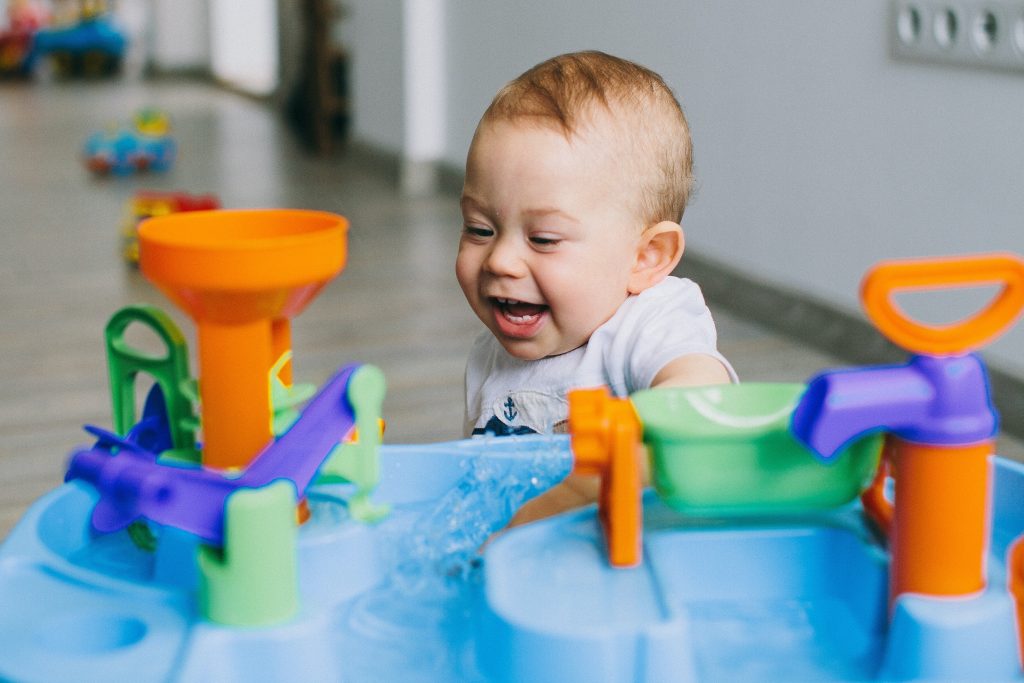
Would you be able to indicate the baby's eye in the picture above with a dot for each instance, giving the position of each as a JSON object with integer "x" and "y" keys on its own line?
{"x": 545, "y": 241}
{"x": 477, "y": 231}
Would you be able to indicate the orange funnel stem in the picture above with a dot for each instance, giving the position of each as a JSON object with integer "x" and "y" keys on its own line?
{"x": 240, "y": 275}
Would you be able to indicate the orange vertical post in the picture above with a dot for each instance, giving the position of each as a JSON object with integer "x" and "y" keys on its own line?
{"x": 606, "y": 442}
{"x": 234, "y": 364}
{"x": 941, "y": 518}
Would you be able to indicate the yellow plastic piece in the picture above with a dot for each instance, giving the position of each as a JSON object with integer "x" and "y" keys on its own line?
{"x": 966, "y": 335}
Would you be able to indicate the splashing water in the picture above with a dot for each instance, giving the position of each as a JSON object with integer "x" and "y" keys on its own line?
{"x": 440, "y": 551}
{"x": 420, "y": 618}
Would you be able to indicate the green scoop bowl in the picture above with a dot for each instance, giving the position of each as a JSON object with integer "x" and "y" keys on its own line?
{"x": 728, "y": 450}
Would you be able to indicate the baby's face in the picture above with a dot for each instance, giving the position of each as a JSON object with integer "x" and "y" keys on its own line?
{"x": 549, "y": 241}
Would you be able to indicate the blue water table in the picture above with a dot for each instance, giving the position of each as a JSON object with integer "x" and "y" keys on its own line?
{"x": 246, "y": 527}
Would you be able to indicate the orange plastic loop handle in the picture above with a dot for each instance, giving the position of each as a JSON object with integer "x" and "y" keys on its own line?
{"x": 975, "y": 331}
{"x": 876, "y": 504}
{"x": 1015, "y": 581}
{"x": 1015, "y": 566}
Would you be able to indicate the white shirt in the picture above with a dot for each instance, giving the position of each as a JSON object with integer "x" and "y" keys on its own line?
{"x": 508, "y": 395}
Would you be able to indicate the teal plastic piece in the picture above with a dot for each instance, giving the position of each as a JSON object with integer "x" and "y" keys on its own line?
{"x": 358, "y": 461}
{"x": 169, "y": 371}
{"x": 729, "y": 450}
{"x": 253, "y": 580}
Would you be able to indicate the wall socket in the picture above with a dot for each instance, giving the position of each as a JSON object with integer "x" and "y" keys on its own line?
{"x": 980, "y": 34}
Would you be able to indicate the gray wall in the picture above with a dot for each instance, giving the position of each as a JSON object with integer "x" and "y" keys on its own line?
{"x": 372, "y": 32}
{"x": 817, "y": 153}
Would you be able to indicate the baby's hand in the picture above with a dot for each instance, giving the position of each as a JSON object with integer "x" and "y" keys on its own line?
{"x": 573, "y": 492}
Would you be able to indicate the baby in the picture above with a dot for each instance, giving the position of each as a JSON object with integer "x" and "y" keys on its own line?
{"x": 576, "y": 182}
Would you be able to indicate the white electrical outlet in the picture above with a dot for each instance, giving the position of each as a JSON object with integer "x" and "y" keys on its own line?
{"x": 961, "y": 32}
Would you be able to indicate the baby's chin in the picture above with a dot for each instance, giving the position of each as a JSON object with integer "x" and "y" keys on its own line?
{"x": 526, "y": 351}
{"x": 521, "y": 351}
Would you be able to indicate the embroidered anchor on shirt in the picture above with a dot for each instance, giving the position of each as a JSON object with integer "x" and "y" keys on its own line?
{"x": 510, "y": 410}
{"x": 522, "y": 412}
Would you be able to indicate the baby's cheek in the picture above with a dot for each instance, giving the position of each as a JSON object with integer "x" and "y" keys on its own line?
{"x": 463, "y": 271}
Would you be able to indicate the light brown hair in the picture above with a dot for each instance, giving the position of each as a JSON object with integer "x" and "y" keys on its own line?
{"x": 570, "y": 91}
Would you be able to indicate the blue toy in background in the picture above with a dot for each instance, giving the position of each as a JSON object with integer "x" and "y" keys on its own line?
{"x": 91, "y": 47}
{"x": 315, "y": 552}
{"x": 145, "y": 145}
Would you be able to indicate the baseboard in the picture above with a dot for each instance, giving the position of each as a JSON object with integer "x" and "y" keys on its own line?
{"x": 196, "y": 73}
{"x": 824, "y": 327}
{"x": 376, "y": 160}
{"x": 415, "y": 178}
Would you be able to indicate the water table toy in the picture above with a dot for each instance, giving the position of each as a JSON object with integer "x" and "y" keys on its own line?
{"x": 289, "y": 543}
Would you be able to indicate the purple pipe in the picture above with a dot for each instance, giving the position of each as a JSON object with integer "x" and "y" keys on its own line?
{"x": 939, "y": 400}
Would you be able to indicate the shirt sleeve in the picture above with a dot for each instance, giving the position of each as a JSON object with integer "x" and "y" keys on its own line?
{"x": 662, "y": 324}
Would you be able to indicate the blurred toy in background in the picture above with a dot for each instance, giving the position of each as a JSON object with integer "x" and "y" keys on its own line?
{"x": 145, "y": 145}
{"x": 149, "y": 204}
{"x": 27, "y": 14}
{"x": 24, "y": 19}
{"x": 15, "y": 53}
{"x": 87, "y": 44}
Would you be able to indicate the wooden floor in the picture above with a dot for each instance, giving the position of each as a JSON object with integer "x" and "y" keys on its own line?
{"x": 396, "y": 305}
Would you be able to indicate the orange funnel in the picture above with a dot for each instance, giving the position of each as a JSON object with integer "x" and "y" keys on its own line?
{"x": 240, "y": 275}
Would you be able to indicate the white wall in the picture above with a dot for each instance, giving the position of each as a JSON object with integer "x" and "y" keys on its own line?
{"x": 235, "y": 40}
{"x": 425, "y": 120}
{"x": 817, "y": 154}
{"x": 179, "y": 34}
{"x": 244, "y": 44}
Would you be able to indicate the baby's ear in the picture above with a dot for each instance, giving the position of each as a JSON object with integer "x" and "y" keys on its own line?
{"x": 658, "y": 253}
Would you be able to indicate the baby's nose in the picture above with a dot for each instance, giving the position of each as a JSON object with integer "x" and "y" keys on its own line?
{"x": 505, "y": 259}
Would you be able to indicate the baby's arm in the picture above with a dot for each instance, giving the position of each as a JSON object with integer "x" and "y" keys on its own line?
{"x": 573, "y": 492}
{"x": 578, "y": 490}
{"x": 693, "y": 370}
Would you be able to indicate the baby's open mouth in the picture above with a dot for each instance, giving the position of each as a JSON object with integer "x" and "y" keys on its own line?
{"x": 518, "y": 312}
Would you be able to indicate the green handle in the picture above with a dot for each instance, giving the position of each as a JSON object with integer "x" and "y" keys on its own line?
{"x": 169, "y": 370}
